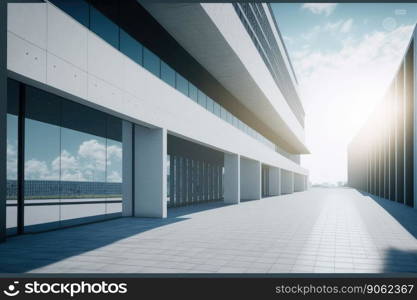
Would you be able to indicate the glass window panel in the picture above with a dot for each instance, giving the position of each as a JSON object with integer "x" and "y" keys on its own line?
{"x": 11, "y": 156}
{"x": 210, "y": 104}
{"x": 114, "y": 156}
{"x": 130, "y": 47}
{"x": 229, "y": 117}
{"x": 234, "y": 121}
{"x": 104, "y": 28}
{"x": 42, "y": 161}
{"x": 72, "y": 154}
{"x": 83, "y": 162}
{"x": 193, "y": 92}
{"x": 240, "y": 125}
{"x": 202, "y": 98}
{"x": 151, "y": 62}
{"x": 223, "y": 113}
{"x": 182, "y": 84}
{"x": 216, "y": 109}
{"x": 78, "y": 9}
{"x": 167, "y": 74}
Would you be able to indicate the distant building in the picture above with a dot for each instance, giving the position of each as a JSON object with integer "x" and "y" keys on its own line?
{"x": 382, "y": 157}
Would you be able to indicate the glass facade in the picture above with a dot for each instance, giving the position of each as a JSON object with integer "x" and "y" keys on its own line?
{"x": 255, "y": 20}
{"x": 167, "y": 74}
{"x": 72, "y": 161}
{"x": 104, "y": 28}
{"x": 192, "y": 181}
{"x": 130, "y": 47}
{"x": 151, "y": 62}
{"x": 12, "y": 152}
{"x": 78, "y": 9}
{"x": 182, "y": 85}
{"x": 193, "y": 92}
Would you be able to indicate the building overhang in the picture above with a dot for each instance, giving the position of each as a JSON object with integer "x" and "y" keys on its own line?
{"x": 225, "y": 50}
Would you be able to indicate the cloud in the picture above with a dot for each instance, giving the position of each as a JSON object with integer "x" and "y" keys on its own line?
{"x": 114, "y": 151}
{"x": 320, "y": 8}
{"x": 340, "y": 89}
{"x": 36, "y": 169}
{"x": 288, "y": 39}
{"x": 347, "y": 25}
{"x": 11, "y": 161}
{"x": 114, "y": 177}
{"x": 332, "y": 28}
{"x": 88, "y": 164}
{"x": 95, "y": 153}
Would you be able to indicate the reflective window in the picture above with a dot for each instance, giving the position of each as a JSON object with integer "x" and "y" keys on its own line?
{"x": 78, "y": 9}
{"x": 130, "y": 47}
{"x": 73, "y": 163}
{"x": 104, "y": 28}
{"x": 83, "y": 161}
{"x": 151, "y": 62}
{"x": 11, "y": 159}
{"x": 42, "y": 159}
{"x": 216, "y": 109}
{"x": 202, "y": 98}
{"x": 229, "y": 117}
{"x": 114, "y": 165}
{"x": 193, "y": 92}
{"x": 234, "y": 121}
{"x": 210, "y": 104}
{"x": 167, "y": 74}
{"x": 239, "y": 124}
{"x": 222, "y": 113}
{"x": 182, "y": 84}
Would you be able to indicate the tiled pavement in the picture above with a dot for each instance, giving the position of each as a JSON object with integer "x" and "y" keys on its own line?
{"x": 320, "y": 230}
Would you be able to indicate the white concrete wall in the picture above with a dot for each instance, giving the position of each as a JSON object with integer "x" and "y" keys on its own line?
{"x": 150, "y": 167}
{"x": 48, "y": 46}
{"x": 231, "y": 178}
{"x": 250, "y": 179}
{"x": 287, "y": 182}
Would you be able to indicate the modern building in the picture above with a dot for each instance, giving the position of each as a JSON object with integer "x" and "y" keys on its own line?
{"x": 121, "y": 108}
{"x": 381, "y": 158}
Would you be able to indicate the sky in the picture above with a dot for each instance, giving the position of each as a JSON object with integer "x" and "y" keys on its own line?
{"x": 344, "y": 56}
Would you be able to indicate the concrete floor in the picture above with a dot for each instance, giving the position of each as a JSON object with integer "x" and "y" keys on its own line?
{"x": 320, "y": 231}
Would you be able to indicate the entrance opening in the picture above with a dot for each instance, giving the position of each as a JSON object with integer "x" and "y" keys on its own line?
{"x": 195, "y": 173}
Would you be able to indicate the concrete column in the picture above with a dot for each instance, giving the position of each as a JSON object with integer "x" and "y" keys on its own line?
{"x": 299, "y": 182}
{"x": 150, "y": 172}
{"x": 231, "y": 178}
{"x": 128, "y": 161}
{"x": 287, "y": 182}
{"x": 274, "y": 181}
{"x": 250, "y": 179}
{"x": 3, "y": 116}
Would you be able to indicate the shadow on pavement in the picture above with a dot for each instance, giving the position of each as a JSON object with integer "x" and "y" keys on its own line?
{"x": 31, "y": 251}
{"x": 397, "y": 260}
{"x": 175, "y": 212}
{"x": 405, "y": 215}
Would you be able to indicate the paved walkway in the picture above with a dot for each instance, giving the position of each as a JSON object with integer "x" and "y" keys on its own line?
{"x": 320, "y": 230}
